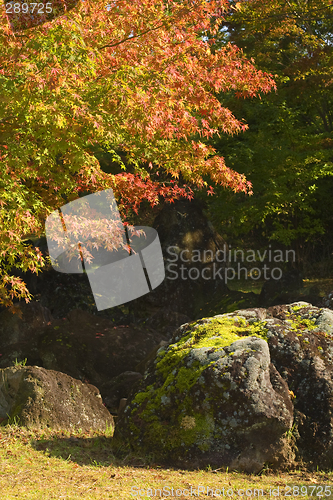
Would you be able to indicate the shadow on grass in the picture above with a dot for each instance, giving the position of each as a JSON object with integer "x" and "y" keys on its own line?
{"x": 99, "y": 451}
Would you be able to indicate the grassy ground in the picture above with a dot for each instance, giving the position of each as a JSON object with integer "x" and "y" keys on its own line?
{"x": 58, "y": 465}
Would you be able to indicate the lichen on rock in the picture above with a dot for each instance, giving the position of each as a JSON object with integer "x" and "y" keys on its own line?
{"x": 212, "y": 396}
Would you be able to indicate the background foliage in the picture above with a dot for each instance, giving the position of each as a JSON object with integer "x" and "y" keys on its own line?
{"x": 287, "y": 152}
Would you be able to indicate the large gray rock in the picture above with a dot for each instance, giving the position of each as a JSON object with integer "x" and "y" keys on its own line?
{"x": 39, "y": 398}
{"x": 240, "y": 389}
{"x": 212, "y": 397}
{"x": 300, "y": 340}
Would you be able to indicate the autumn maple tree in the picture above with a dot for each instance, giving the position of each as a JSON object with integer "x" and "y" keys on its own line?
{"x": 134, "y": 76}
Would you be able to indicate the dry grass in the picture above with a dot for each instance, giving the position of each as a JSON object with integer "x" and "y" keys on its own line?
{"x": 58, "y": 465}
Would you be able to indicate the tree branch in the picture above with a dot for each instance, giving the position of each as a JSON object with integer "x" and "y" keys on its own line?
{"x": 131, "y": 37}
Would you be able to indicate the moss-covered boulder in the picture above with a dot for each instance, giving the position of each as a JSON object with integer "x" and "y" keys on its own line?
{"x": 37, "y": 398}
{"x": 238, "y": 390}
{"x": 212, "y": 397}
{"x": 300, "y": 340}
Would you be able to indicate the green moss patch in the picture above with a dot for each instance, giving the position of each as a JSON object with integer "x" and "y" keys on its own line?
{"x": 177, "y": 413}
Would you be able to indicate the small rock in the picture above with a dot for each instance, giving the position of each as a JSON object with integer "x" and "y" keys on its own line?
{"x": 39, "y": 398}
